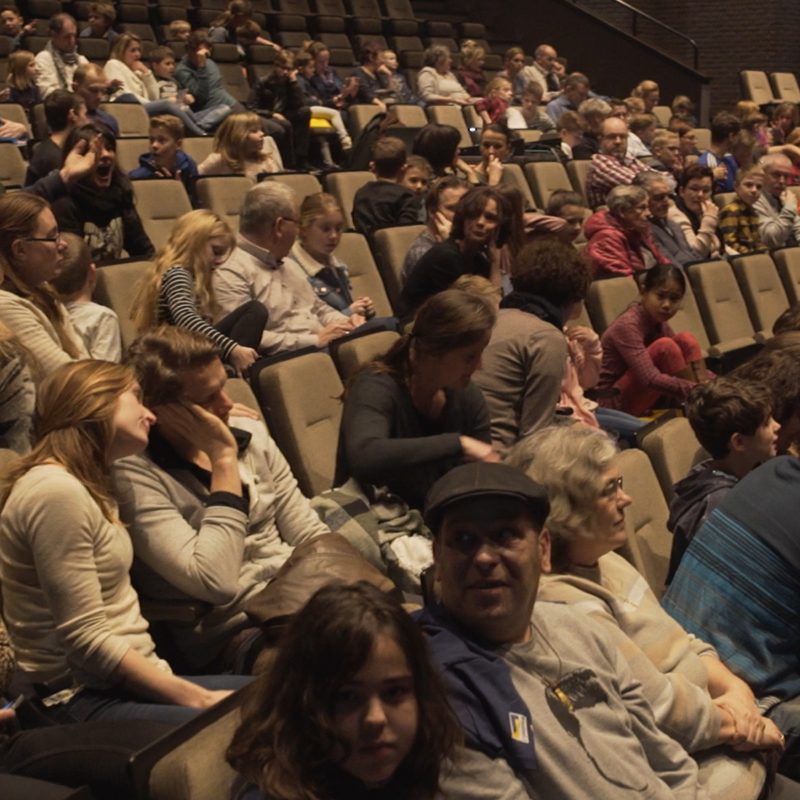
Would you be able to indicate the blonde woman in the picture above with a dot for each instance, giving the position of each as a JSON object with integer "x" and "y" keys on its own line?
{"x": 139, "y": 83}
{"x": 240, "y": 147}
{"x": 31, "y": 252}
{"x": 177, "y": 290}
{"x": 65, "y": 557}
{"x": 649, "y": 93}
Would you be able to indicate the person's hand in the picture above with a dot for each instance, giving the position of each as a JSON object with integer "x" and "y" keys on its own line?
{"x": 381, "y": 105}
{"x": 752, "y": 731}
{"x": 7, "y": 715}
{"x": 202, "y": 429}
{"x": 241, "y": 358}
{"x": 276, "y": 115}
{"x": 720, "y": 173}
{"x": 241, "y": 410}
{"x": 443, "y": 226}
{"x": 580, "y": 333}
{"x": 461, "y": 101}
{"x": 139, "y": 67}
{"x": 292, "y": 75}
{"x": 164, "y": 172}
{"x": 384, "y": 69}
{"x": 202, "y": 56}
{"x": 475, "y": 450}
{"x": 13, "y": 130}
{"x": 494, "y": 170}
{"x": 4, "y": 95}
{"x": 208, "y": 697}
{"x": 188, "y": 98}
{"x": 710, "y": 208}
{"x": 80, "y": 160}
{"x": 334, "y": 330}
{"x": 789, "y": 200}
{"x": 114, "y": 86}
{"x": 364, "y": 307}
{"x": 29, "y": 28}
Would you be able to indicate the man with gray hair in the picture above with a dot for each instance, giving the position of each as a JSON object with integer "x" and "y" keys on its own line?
{"x": 256, "y": 270}
{"x": 778, "y": 221}
{"x": 57, "y": 62}
{"x": 595, "y": 111}
{"x": 541, "y": 71}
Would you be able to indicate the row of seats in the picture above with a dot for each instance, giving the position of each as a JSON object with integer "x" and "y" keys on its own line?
{"x": 780, "y": 87}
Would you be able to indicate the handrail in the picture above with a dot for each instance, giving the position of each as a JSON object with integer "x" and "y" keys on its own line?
{"x": 639, "y": 13}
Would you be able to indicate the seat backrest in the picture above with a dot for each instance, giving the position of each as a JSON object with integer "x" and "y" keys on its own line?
{"x": 198, "y": 147}
{"x": 224, "y": 195}
{"x": 451, "y": 115}
{"x": 608, "y": 298}
{"x": 650, "y": 540}
{"x": 353, "y": 352}
{"x": 301, "y": 183}
{"x": 391, "y": 246}
{"x": 129, "y": 150}
{"x": 787, "y": 261}
{"x": 756, "y": 86}
{"x": 343, "y": 186}
{"x": 160, "y": 203}
{"x": 513, "y": 174}
{"x": 360, "y": 115}
{"x": 703, "y": 139}
{"x": 545, "y": 177}
{"x": 240, "y": 392}
{"x": 235, "y": 81}
{"x": 663, "y": 114}
{"x": 14, "y": 112}
{"x": 116, "y": 286}
{"x": 131, "y": 118}
{"x": 529, "y": 135}
{"x": 785, "y": 86}
{"x": 720, "y": 301}
{"x": 398, "y": 9}
{"x": 410, "y": 116}
{"x": 577, "y": 171}
{"x": 301, "y": 401}
{"x": 365, "y": 8}
{"x": 722, "y": 199}
{"x": 762, "y": 289}
{"x": 364, "y": 276}
{"x": 688, "y": 319}
{"x": 673, "y": 450}
{"x": 12, "y": 165}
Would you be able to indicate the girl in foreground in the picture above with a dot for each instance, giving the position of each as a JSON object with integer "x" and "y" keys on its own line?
{"x": 352, "y": 708}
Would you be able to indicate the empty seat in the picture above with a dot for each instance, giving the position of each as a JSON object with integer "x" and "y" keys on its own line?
{"x": 703, "y": 139}
{"x": 401, "y": 43}
{"x": 343, "y": 186}
{"x": 755, "y": 87}
{"x": 762, "y": 290}
{"x": 608, "y": 298}
{"x": 785, "y": 86}
{"x": 391, "y": 246}
{"x": 472, "y": 30}
{"x": 402, "y": 21}
{"x": 673, "y": 450}
{"x": 12, "y": 166}
{"x": 367, "y": 16}
{"x": 301, "y": 183}
{"x": 143, "y": 31}
{"x": 360, "y": 115}
{"x": 545, "y": 177}
{"x": 451, "y": 115}
{"x": 235, "y": 81}
{"x": 577, "y": 171}
{"x": 300, "y": 398}
{"x": 688, "y": 319}
{"x": 442, "y": 41}
{"x": 94, "y": 49}
{"x": 364, "y": 276}
{"x": 528, "y": 135}
{"x": 131, "y": 118}
{"x": 132, "y": 12}
{"x": 410, "y": 116}
{"x": 224, "y": 195}
{"x": 787, "y": 261}
{"x": 115, "y": 289}
{"x": 160, "y": 203}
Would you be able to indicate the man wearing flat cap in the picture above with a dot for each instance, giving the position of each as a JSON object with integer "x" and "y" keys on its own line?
{"x": 548, "y": 706}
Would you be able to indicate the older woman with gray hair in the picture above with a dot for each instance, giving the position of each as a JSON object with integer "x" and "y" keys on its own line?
{"x": 694, "y": 697}
{"x": 620, "y": 242}
{"x": 436, "y": 81}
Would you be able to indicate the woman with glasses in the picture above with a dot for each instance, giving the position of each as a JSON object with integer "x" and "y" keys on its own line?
{"x": 696, "y": 212}
{"x": 694, "y": 697}
{"x": 31, "y": 252}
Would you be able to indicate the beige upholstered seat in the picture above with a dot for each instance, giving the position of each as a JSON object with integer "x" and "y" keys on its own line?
{"x": 343, "y": 186}
{"x": 198, "y": 147}
{"x": 722, "y": 199}
{"x": 14, "y": 112}
{"x": 131, "y": 118}
{"x": 410, "y": 116}
{"x": 116, "y": 285}
{"x": 301, "y": 400}
{"x": 129, "y": 150}
{"x": 224, "y": 195}
{"x": 360, "y": 115}
{"x": 663, "y": 114}
{"x": 755, "y": 87}
{"x": 703, "y": 139}
{"x": 583, "y": 319}
{"x": 7, "y": 457}
{"x": 529, "y": 135}
{"x": 673, "y": 450}
{"x": 513, "y": 175}
{"x": 787, "y": 261}
{"x": 160, "y": 203}
{"x": 301, "y": 183}
{"x": 364, "y": 276}
{"x": 12, "y": 165}
{"x": 451, "y": 115}
{"x": 577, "y": 171}
{"x": 608, "y": 298}
{"x": 762, "y": 290}
{"x": 688, "y": 319}
{"x": 350, "y": 353}
{"x": 545, "y": 177}
{"x": 785, "y": 86}
{"x": 391, "y": 246}
{"x": 473, "y": 120}
{"x": 240, "y": 392}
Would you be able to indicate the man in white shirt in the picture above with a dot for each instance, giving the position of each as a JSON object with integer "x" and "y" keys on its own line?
{"x": 60, "y": 58}
{"x": 541, "y": 71}
{"x": 778, "y": 220}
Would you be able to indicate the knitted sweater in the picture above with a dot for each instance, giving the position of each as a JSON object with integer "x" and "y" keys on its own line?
{"x": 142, "y": 85}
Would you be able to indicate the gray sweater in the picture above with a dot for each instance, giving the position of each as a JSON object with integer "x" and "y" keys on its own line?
{"x": 778, "y": 224}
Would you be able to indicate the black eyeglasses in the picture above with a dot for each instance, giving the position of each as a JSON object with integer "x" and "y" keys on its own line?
{"x": 51, "y": 239}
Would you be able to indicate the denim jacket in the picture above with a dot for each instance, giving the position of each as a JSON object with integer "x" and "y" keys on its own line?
{"x": 331, "y": 282}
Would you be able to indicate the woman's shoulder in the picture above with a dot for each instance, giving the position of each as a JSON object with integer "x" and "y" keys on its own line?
{"x": 49, "y": 482}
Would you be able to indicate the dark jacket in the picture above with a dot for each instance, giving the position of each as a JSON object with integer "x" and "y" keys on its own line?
{"x": 384, "y": 204}
{"x": 671, "y": 241}
{"x": 369, "y": 86}
{"x": 270, "y": 96}
{"x": 47, "y": 157}
{"x": 186, "y": 165}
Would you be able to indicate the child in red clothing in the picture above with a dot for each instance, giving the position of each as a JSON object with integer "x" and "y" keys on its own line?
{"x": 499, "y": 94}
{"x": 642, "y": 356}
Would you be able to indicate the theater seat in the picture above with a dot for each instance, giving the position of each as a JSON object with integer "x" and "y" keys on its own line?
{"x": 131, "y": 118}
{"x": 224, "y": 195}
{"x": 391, "y": 246}
{"x": 12, "y": 166}
{"x": 787, "y": 261}
{"x": 301, "y": 183}
{"x": 116, "y": 285}
{"x": 673, "y": 450}
{"x": 343, "y": 186}
{"x": 451, "y": 115}
{"x": 351, "y": 352}
{"x": 608, "y": 298}
{"x": 545, "y": 177}
{"x": 755, "y": 87}
{"x": 785, "y": 86}
{"x": 160, "y": 203}
{"x": 364, "y": 276}
{"x": 762, "y": 290}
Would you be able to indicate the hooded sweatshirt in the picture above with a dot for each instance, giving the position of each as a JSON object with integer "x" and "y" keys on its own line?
{"x": 186, "y": 165}
{"x": 696, "y": 496}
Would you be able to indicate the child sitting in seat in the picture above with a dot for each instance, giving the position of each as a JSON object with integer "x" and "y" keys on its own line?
{"x": 166, "y": 159}
{"x": 102, "y": 17}
{"x": 305, "y": 65}
{"x": 97, "y": 325}
{"x": 21, "y": 80}
{"x": 417, "y": 177}
{"x": 179, "y": 30}
{"x": 571, "y": 127}
{"x": 571, "y": 207}
{"x": 732, "y": 419}
{"x": 385, "y": 202}
{"x": 493, "y": 107}
{"x": 738, "y": 221}
{"x": 530, "y": 114}
{"x": 12, "y": 24}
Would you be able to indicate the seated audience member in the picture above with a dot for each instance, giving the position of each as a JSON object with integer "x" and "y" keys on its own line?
{"x": 211, "y": 505}
{"x": 745, "y": 148}
{"x": 785, "y": 118}
{"x": 100, "y": 207}
{"x": 634, "y": 106}
{"x": 732, "y": 419}
{"x": 101, "y": 19}
{"x": 30, "y": 256}
{"x": 695, "y": 212}
{"x": 665, "y": 233}
{"x": 576, "y": 90}
{"x": 241, "y": 148}
{"x": 385, "y": 202}
{"x": 397, "y": 81}
{"x": 280, "y": 99}
{"x": 778, "y": 220}
{"x": 495, "y": 147}
{"x": 641, "y": 132}
{"x": 68, "y": 599}
{"x": 258, "y": 270}
{"x": 12, "y": 24}
{"x": 436, "y": 82}
{"x": 179, "y": 30}
{"x": 738, "y": 221}
{"x": 237, "y": 14}
{"x": 439, "y": 146}
{"x": 543, "y": 71}
{"x": 17, "y": 398}
{"x": 494, "y": 107}
{"x": 683, "y": 108}
{"x": 374, "y": 644}
{"x": 177, "y": 290}
{"x": 643, "y": 358}
{"x": 90, "y": 83}
{"x": 417, "y": 177}
{"x": 530, "y": 115}
{"x": 688, "y": 141}
{"x": 470, "y": 70}
{"x": 620, "y": 240}
{"x": 569, "y": 206}
{"x": 57, "y": 62}
{"x": 21, "y": 80}
{"x": 64, "y": 111}
{"x": 373, "y": 77}
{"x": 560, "y": 676}
{"x": 594, "y": 112}
{"x": 649, "y": 93}
{"x": 571, "y": 127}
{"x": 166, "y": 158}
{"x": 441, "y": 202}
{"x": 666, "y": 156}
{"x": 98, "y": 325}
{"x": 413, "y": 414}
{"x": 523, "y": 365}
{"x": 326, "y": 83}
{"x": 249, "y": 33}
{"x": 319, "y": 229}
{"x": 514, "y": 70}
{"x": 611, "y": 167}
{"x": 724, "y": 131}
{"x": 695, "y": 699}
{"x": 479, "y": 230}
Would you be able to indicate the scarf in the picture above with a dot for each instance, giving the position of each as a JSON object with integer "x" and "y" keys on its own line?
{"x": 536, "y": 305}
